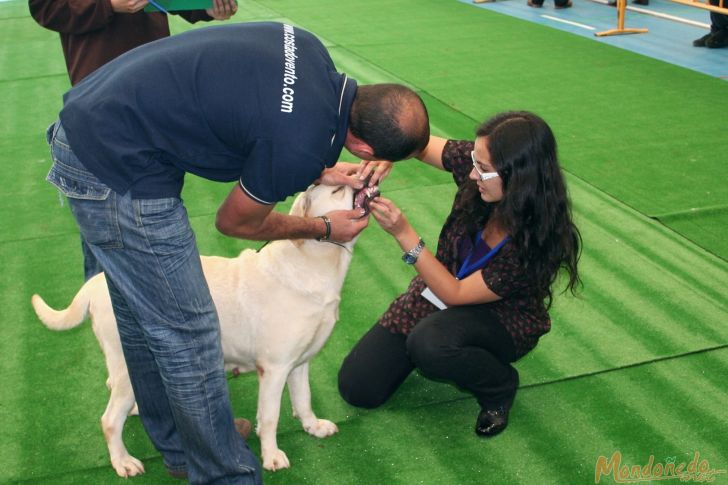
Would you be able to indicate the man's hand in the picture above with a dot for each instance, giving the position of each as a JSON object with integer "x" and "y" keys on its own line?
{"x": 222, "y": 9}
{"x": 347, "y": 224}
{"x": 128, "y": 6}
{"x": 378, "y": 169}
{"x": 343, "y": 173}
{"x": 242, "y": 217}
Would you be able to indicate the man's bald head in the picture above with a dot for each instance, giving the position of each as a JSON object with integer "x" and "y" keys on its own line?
{"x": 390, "y": 118}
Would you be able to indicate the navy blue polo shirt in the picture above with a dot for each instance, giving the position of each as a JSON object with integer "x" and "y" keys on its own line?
{"x": 258, "y": 102}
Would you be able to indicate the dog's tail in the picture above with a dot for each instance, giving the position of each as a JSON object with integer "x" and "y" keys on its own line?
{"x": 63, "y": 319}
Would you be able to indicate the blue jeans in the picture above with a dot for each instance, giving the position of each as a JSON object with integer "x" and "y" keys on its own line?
{"x": 167, "y": 321}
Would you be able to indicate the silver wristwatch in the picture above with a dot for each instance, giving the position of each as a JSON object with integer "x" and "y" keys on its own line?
{"x": 410, "y": 257}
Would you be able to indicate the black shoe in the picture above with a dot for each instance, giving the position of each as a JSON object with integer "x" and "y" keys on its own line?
{"x": 491, "y": 421}
{"x": 612, "y": 3}
{"x": 641, "y": 2}
{"x": 565, "y": 5}
{"x": 701, "y": 41}
{"x": 717, "y": 40}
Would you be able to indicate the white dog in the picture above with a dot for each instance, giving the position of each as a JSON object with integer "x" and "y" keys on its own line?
{"x": 277, "y": 308}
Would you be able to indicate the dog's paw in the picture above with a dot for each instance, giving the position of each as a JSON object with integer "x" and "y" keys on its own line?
{"x": 275, "y": 460}
{"x": 127, "y": 466}
{"x": 321, "y": 428}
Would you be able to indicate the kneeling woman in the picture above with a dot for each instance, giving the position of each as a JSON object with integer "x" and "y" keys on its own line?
{"x": 481, "y": 302}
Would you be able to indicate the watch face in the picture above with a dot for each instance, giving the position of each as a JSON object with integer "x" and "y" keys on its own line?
{"x": 409, "y": 259}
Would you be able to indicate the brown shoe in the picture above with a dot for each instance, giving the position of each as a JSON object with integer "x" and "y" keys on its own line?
{"x": 243, "y": 427}
{"x": 178, "y": 474}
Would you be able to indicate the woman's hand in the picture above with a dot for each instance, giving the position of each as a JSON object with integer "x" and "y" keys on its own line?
{"x": 389, "y": 216}
{"x": 222, "y": 9}
{"x": 378, "y": 169}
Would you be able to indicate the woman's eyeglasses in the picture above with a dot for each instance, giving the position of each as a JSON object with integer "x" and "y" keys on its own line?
{"x": 483, "y": 175}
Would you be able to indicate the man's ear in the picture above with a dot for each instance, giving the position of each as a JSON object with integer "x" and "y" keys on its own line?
{"x": 358, "y": 147}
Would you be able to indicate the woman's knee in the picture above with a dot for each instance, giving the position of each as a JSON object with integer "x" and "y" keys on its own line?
{"x": 429, "y": 348}
{"x": 374, "y": 369}
{"x": 356, "y": 392}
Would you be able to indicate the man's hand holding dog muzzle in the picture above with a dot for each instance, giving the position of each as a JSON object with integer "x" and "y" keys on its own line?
{"x": 343, "y": 173}
{"x": 345, "y": 224}
{"x": 373, "y": 171}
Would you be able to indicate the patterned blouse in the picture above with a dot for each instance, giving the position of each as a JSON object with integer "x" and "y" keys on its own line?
{"x": 520, "y": 310}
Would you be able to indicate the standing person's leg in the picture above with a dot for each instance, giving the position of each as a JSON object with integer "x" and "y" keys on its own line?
{"x": 167, "y": 321}
{"x": 375, "y": 368}
{"x": 718, "y": 29}
{"x": 718, "y": 21}
{"x": 469, "y": 347}
{"x": 718, "y": 35}
{"x": 148, "y": 386}
{"x": 163, "y": 285}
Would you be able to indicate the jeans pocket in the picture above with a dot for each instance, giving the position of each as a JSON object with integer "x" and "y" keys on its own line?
{"x": 72, "y": 178}
{"x": 166, "y": 225}
{"x": 51, "y": 132}
{"x": 93, "y": 204}
{"x": 98, "y": 221}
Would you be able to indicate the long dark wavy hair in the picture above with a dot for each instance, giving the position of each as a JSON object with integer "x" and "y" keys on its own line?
{"x": 535, "y": 209}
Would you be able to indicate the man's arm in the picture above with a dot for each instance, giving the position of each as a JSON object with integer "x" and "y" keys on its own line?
{"x": 242, "y": 217}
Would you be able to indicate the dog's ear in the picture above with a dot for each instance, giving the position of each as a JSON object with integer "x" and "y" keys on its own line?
{"x": 337, "y": 198}
{"x": 301, "y": 204}
{"x": 300, "y": 208}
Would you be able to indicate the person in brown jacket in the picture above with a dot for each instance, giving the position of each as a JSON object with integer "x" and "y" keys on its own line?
{"x": 93, "y": 32}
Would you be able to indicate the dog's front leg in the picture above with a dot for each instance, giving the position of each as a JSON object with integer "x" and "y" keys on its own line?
{"x": 120, "y": 404}
{"x": 271, "y": 381}
{"x": 300, "y": 391}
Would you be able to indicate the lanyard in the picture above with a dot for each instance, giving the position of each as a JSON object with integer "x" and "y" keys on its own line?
{"x": 467, "y": 268}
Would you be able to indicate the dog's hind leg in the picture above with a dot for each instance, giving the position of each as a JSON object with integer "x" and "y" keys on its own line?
{"x": 271, "y": 381}
{"x": 300, "y": 391}
{"x": 120, "y": 404}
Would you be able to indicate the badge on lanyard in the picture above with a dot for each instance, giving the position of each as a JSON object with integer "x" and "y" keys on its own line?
{"x": 467, "y": 268}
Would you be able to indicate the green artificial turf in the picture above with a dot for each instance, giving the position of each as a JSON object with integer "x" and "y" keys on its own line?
{"x": 635, "y": 363}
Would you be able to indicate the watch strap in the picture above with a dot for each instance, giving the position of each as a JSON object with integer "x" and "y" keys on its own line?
{"x": 410, "y": 257}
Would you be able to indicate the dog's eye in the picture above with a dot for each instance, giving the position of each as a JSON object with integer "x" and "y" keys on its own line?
{"x": 338, "y": 189}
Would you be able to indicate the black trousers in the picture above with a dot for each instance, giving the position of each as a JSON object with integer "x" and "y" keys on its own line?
{"x": 558, "y": 3}
{"x": 466, "y": 346}
{"x": 718, "y": 21}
